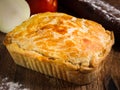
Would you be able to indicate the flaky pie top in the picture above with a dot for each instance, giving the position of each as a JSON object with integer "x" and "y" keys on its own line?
{"x": 63, "y": 38}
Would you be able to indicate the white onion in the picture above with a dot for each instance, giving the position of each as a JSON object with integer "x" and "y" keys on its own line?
{"x": 13, "y": 13}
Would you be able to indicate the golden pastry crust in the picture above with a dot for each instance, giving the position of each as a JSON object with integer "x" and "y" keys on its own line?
{"x": 74, "y": 43}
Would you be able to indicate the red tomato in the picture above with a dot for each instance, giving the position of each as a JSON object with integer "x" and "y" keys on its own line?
{"x": 37, "y": 6}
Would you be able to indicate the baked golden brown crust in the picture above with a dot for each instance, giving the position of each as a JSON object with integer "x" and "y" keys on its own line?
{"x": 57, "y": 40}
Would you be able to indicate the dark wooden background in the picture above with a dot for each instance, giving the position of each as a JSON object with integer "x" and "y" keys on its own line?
{"x": 109, "y": 77}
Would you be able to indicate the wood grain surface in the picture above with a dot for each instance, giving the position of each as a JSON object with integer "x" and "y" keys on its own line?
{"x": 37, "y": 81}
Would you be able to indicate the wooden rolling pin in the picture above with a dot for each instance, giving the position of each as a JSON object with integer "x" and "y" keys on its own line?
{"x": 105, "y": 12}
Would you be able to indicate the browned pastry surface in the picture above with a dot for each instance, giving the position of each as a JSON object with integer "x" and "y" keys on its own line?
{"x": 59, "y": 40}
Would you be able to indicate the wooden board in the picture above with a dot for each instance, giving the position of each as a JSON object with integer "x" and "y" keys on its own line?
{"x": 37, "y": 81}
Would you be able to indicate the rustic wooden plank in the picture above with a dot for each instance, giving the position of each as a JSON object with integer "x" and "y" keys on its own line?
{"x": 116, "y": 67}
